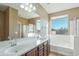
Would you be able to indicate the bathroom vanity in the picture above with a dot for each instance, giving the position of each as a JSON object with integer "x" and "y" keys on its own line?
{"x": 40, "y": 50}
{"x": 25, "y": 47}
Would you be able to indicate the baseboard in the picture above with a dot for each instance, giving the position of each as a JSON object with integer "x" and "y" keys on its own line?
{"x": 55, "y": 52}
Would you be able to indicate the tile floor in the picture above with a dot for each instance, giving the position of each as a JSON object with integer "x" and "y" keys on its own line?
{"x": 55, "y": 54}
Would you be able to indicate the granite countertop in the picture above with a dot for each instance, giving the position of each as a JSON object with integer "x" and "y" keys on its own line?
{"x": 23, "y": 45}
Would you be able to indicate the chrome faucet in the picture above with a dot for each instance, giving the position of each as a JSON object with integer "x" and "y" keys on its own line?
{"x": 12, "y": 42}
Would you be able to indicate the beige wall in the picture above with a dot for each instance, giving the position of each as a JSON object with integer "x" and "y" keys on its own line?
{"x": 6, "y": 23}
{"x": 13, "y": 16}
{"x": 1, "y": 25}
{"x": 31, "y": 21}
{"x": 22, "y": 20}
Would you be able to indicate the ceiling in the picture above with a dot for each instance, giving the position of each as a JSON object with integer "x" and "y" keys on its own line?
{"x": 49, "y": 7}
{"x": 21, "y": 12}
{"x": 55, "y": 7}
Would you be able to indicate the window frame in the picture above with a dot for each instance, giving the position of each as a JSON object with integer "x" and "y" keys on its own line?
{"x": 59, "y": 16}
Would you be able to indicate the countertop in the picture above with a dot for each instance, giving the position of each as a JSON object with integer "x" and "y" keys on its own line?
{"x": 23, "y": 45}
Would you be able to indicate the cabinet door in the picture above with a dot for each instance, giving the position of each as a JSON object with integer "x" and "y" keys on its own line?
{"x": 33, "y": 52}
{"x": 40, "y": 50}
{"x": 46, "y": 48}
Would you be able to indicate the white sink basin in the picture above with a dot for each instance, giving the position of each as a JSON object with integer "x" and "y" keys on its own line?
{"x": 16, "y": 49}
{"x": 21, "y": 47}
{"x": 13, "y": 50}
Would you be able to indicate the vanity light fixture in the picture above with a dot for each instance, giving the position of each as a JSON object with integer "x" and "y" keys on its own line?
{"x": 29, "y": 7}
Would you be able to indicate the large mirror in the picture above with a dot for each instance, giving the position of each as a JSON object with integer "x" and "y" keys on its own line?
{"x": 12, "y": 25}
{"x": 41, "y": 28}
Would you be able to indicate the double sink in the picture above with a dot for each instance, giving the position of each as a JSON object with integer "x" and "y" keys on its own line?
{"x": 20, "y": 48}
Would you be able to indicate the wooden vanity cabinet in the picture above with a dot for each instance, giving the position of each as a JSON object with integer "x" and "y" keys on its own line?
{"x": 41, "y": 50}
{"x": 46, "y": 47}
{"x": 33, "y": 52}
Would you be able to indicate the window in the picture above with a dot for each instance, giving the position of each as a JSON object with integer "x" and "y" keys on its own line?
{"x": 59, "y": 25}
{"x": 39, "y": 24}
{"x": 24, "y": 30}
{"x": 30, "y": 28}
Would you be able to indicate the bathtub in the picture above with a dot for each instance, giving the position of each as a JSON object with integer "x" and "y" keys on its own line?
{"x": 63, "y": 44}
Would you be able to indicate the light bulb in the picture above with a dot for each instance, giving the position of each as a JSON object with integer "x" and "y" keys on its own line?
{"x": 34, "y": 8}
{"x": 22, "y": 6}
{"x": 31, "y": 6}
{"x": 29, "y": 10}
{"x": 26, "y": 8}
{"x": 16, "y": 32}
